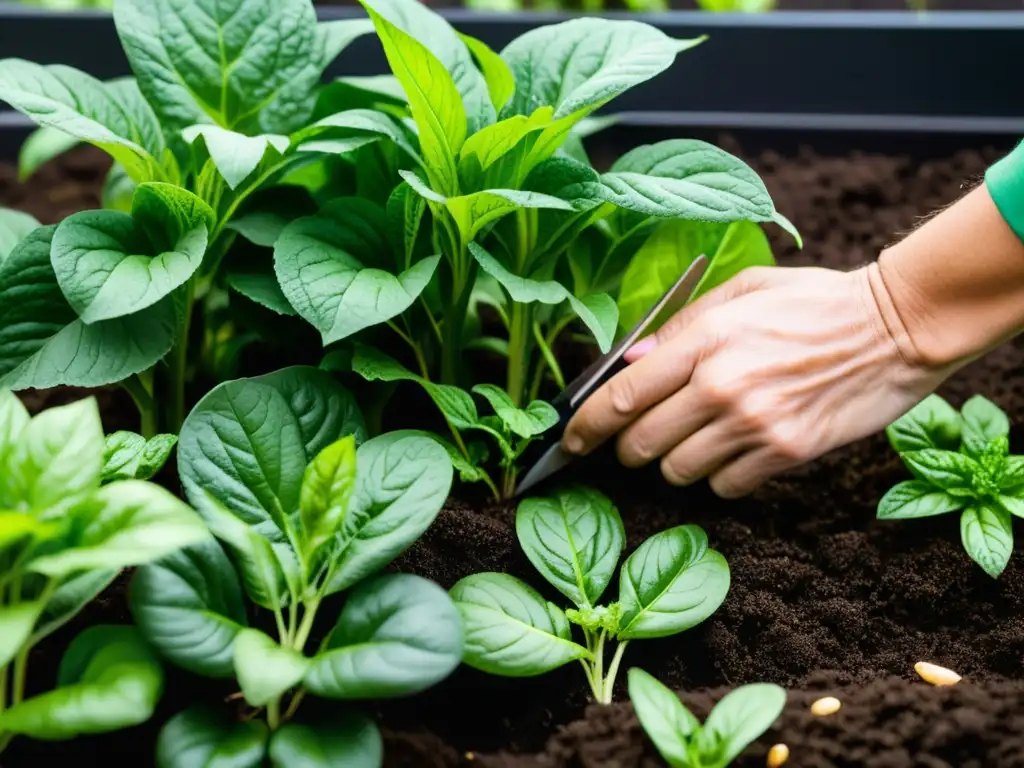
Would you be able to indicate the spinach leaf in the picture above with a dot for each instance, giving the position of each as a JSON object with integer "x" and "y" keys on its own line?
{"x": 235, "y": 155}
{"x": 205, "y": 736}
{"x": 352, "y": 740}
{"x": 264, "y": 669}
{"x": 42, "y": 146}
{"x": 15, "y": 226}
{"x": 327, "y": 488}
{"x": 130, "y": 456}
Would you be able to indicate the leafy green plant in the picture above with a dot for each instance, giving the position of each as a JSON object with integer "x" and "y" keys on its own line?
{"x": 304, "y": 507}
{"x": 736, "y": 721}
{"x": 113, "y": 294}
{"x": 737, "y": 6}
{"x": 960, "y": 461}
{"x": 575, "y": 538}
{"x": 130, "y": 456}
{"x": 64, "y": 537}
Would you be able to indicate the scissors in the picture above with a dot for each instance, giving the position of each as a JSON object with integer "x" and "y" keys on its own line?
{"x": 554, "y": 458}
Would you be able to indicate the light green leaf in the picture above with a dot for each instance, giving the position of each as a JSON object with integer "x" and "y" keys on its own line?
{"x": 947, "y": 470}
{"x": 247, "y": 443}
{"x": 397, "y": 635}
{"x": 510, "y": 629}
{"x": 665, "y": 720}
{"x": 1012, "y": 504}
{"x": 575, "y": 538}
{"x": 500, "y": 82}
{"x": 351, "y": 740}
{"x": 189, "y": 607}
{"x": 127, "y": 523}
{"x": 15, "y": 226}
{"x": 235, "y": 155}
{"x": 932, "y": 423}
{"x": 111, "y": 264}
{"x": 107, "y": 115}
{"x": 71, "y": 597}
{"x": 401, "y": 485}
{"x": 987, "y": 535}
{"x": 13, "y": 420}
{"x": 42, "y": 146}
{"x": 1009, "y": 479}
{"x": 672, "y": 582}
{"x": 208, "y": 738}
{"x": 536, "y": 418}
{"x": 327, "y": 488}
{"x": 670, "y": 250}
{"x": 487, "y": 146}
{"x": 257, "y": 281}
{"x": 118, "y": 189}
{"x": 129, "y": 456}
{"x": 264, "y": 669}
{"x": 248, "y": 65}
{"x": 916, "y": 498}
{"x": 983, "y": 422}
{"x": 525, "y": 290}
{"x": 108, "y": 680}
{"x": 475, "y": 211}
{"x": 365, "y": 123}
{"x": 44, "y": 344}
{"x": 58, "y": 457}
{"x": 434, "y": 101}
{"x": 335, "y": 271}
{"x": 16, "y": 623}
{"x": 742, "y": 716}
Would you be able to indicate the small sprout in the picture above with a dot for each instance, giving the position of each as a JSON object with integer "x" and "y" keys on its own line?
{"x": 777, "y": 756}
{"x": 936, "y": 675}
{"x": 826, "y": 706}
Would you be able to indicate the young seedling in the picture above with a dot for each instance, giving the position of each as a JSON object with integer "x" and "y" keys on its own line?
{"x": 575, "y": 538}
{"x": 735, "y": 722}
{"x": 304, "y": 507}
{"x": 66, "y": 532}
{"x": 129, "y": 456}
{"x": 961, "y": 462}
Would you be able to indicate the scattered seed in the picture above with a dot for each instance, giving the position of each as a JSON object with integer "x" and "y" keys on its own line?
{"x": 936, "y": 675}
{"x": 826, "y": 706}
{"x": 777, "y": 755}
{"x": 471, "y": 756}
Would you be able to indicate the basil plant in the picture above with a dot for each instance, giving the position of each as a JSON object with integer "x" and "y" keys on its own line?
{"x": 961, "y": 462}
{"x": 65, "y": 535}
{"x": 221, "y": 106}
{"x": 736, "y": 721}
{"x": 575, "y": 539}
{"x": 303, "y": 507}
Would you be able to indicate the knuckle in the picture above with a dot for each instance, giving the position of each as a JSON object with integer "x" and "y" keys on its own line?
{"x": 622, "y": 395}
{"x": 674, "y": 473}
{"x": 753, "y": 414}
{"x": 635, "y": 448}
{"x": 717, "y": 389}
{"x": 788, "y": 444}
{"x": 728, "y": 488}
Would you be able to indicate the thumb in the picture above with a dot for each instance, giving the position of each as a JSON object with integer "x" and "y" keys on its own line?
{"x": 749, "y": 280}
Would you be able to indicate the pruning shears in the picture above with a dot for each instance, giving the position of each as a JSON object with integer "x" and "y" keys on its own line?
{"x": 552, "y": 457}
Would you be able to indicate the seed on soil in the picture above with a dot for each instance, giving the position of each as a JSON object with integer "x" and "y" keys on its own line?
{"x": 936, "y": 675}
{"x": 826, "y": 706}
{"x": 777, "y": 755}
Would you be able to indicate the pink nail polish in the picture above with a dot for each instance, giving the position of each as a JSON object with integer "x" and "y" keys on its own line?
{"x": 641, "y": 348}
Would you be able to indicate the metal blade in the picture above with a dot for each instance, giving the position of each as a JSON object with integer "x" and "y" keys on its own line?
{"x": 554, "y": 459}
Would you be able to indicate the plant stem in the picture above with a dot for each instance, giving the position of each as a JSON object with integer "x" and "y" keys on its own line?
{"x": 509, "y": 482}
{"x": 178, "y": 363}
{"x": 293, "y": 705}
{"x": 144, "y": 403}
{"x": 309, "y": 615}
{"x": 420, "y": 360}
{"x": 518, "y": 352}
{"x": 274, "y": 714}
{"x": 20, "y": 669}
{"x": 613, "y": 671}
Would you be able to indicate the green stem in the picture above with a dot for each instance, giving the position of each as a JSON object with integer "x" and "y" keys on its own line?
{"x": 20, "y": 671}
{"x": 452, "y": 330}
{"x": 590, "y": 679}
{"x": 509, "y": 482}
{"x": 420, "y": 360}
{"x": 274, "y": 714}
{"x": 293, "y": 705}
{"x": 144, "y": 403}
{"x": 178, "y": 364}
{"x": 282, "y": 629}
{"x": 518, "y": 352}
{"x": 613, "y": 671}
{"x": 308, "y": 617}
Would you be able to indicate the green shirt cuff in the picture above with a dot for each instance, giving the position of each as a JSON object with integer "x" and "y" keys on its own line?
{"x": 1005, "y": 181}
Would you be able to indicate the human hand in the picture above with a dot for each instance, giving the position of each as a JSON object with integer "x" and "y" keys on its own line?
{"x": 768, "y": 371}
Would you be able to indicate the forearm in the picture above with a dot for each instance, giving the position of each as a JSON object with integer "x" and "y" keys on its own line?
{"x": 954, "y": 288}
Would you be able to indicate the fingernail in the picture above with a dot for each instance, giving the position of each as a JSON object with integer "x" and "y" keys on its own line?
{"x": 641, "y": 348}
{"x": 572, "y": 444}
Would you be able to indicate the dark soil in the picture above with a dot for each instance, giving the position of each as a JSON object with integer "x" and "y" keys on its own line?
{"x": 825, "y": 599}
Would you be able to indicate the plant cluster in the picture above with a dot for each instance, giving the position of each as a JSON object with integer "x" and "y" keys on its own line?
{"x": 575, "y": 539}
{"x": 960, "y": 462}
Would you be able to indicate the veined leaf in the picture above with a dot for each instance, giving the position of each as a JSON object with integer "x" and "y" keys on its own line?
{"x": 510, "y": 629}
{"x": 129, "y": 456}
{"x": 265, "y": 669}
{"x": 79, "y": 105}
{"x": 42, "y": 146}
{"x": 206, "y": 736}
{"x": 534, "y": 419}
{"x": 742, "y": 716}
{"x": 916, "y": 498}
{"x": 948, "y": 470}
{"x": 987, "y": 535}
{"x": 477, "y": 210}
{"x": 983, "y": 423}
{"x": 932, "y": 423}
{"x": 500, "y": 82}
{"x": 327, "y": 488}
{"x": 488, "y": 145}
{"x": 665, "y": 720}
{"x": 235, "y": 155}
{"x": 363, "y": 123}
{"x": 15, "y": 226}
{"x": 352, "y": 740}
{"x": 44, "y": 344}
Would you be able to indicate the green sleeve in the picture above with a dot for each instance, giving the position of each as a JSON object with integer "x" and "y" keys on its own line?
{"x": 1005, "y": 181}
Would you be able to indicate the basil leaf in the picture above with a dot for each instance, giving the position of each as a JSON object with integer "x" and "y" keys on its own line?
{"x": 246, "y": 64}
{"x": 131, "y": 522}
{"x": 434, "y": 101}
{"x": 987, "y": 535}
{"x": 329, "y": 267}
{"x": 363, "y": 122}
{"x": 351, "y": 740}
{"x": 76, "y": 103}
{"x": 916, "y": 498}
{"x": 15, "y": 226}
{"x": 665, "y": 720}
{"x": 493, "y": 143}
{"x": 44, "y": 344}
{"x": 983, "y": 423}
{"x": 129, "y": 456}
{"x": 672, "y": 582}
{"x": 247, "y": 443}
{"x": 742, "y": 716}
{"x": 533, "y": 420}
{"x": 235, "y": 155}
{"x": 947, "y": 470}
{"x": 526, "y": 290}
{"x": 401, "y": 485}
{"x": 510, "y": 629}
{"x": 189, "y": 607}
{"x": 204, "y": 736}
{"x": 70, "y": 598}
{"x": 501, "y": 84}
{"x": 16, "y": 623}
{"x": 932, "y": 423}
{"x": 327, "y": 488}
{"x": 468, "y": 471}
{"x": 397, "y": 635}
{"x": 1012, "y": 504}
{"x": 13, "y": 420}
{"x": 42, "y": 145}
{"x": 574, "y": 538}
{"x": 264, "y": 669}
{"x": 475, "y": 211}
{"x": 108, "y": 679}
